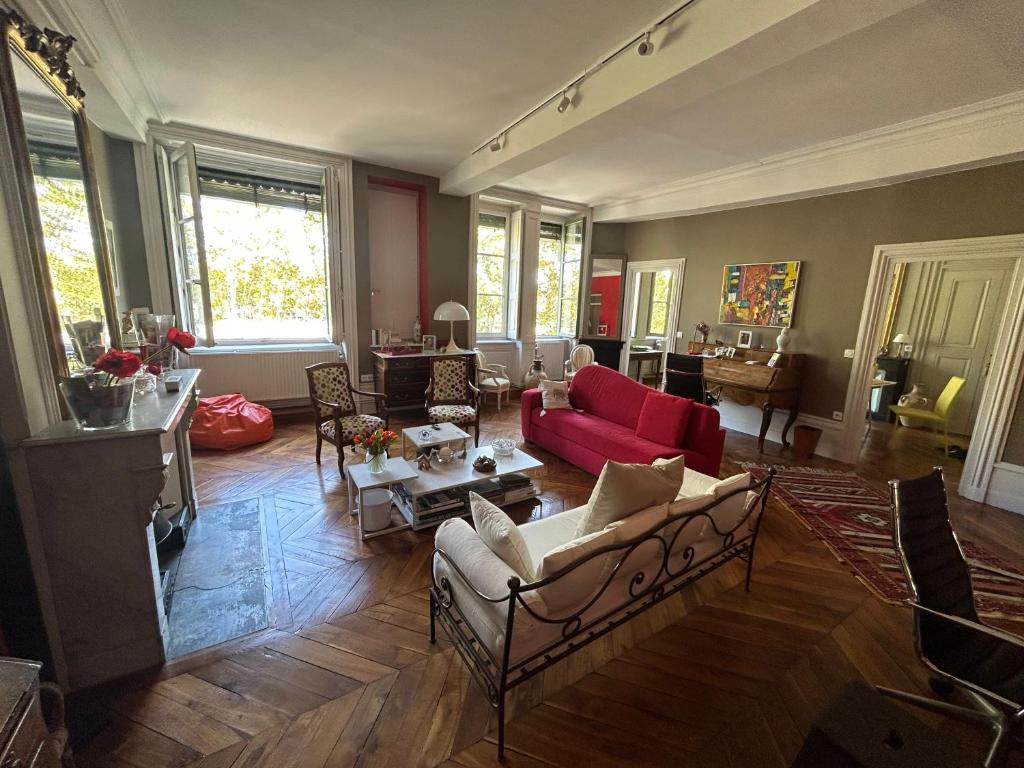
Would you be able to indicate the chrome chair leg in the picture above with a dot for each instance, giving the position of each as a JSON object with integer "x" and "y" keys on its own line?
{"x": 989, "y": 715}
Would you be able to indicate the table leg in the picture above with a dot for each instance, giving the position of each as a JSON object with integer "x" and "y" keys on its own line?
{"x": 359, "y": 516}
{"x": 348, "y": 483}
{"x": 766, "y": 419}
{"x": 793, "y": 413}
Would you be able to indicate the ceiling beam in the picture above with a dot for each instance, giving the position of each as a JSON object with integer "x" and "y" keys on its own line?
{"x": 708, "y": 47}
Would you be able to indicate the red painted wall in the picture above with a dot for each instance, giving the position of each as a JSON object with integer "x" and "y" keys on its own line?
{"x": 610, "y": 288}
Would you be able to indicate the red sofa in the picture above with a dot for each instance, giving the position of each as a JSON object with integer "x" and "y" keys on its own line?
{"x": 603, "y": 424}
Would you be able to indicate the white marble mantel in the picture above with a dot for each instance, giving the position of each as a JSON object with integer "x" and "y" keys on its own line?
{"x": 93, "y": 551}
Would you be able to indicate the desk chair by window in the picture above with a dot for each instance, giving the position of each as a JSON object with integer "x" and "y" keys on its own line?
{"x": 984, "y": 663}
{"x": 451, "y": 396}
{"x": 684, "y": 377}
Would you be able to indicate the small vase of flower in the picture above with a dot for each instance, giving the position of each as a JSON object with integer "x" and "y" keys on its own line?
{"x": 101, "y": 397}
{"x": 375, "y": 446}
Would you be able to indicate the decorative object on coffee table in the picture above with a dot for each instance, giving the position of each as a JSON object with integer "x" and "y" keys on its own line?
{"x": 503, "y": 446}
{"x": 423, "y": 462}
{"x": 375, "y": 446}
{"x": 485, "y": 464}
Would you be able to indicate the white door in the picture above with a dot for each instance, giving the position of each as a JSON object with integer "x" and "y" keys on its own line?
{"x": 394, "y": 275}
{"x": 958, "y": 341}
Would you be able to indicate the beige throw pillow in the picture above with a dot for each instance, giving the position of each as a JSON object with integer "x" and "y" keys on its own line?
{"x": 554, "y": 395}
{"x": 623, "y": 489}
{"x": 501, "y": 536}
{"x": 730, "y": 511}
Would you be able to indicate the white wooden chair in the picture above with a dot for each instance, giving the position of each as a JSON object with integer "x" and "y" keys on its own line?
{"x": 580, "y": 356}
{"x": 492, "y": 378}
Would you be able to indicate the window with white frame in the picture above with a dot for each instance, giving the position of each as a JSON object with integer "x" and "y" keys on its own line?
{"x": 558, "y": 277}
{"x": 251, "y": 256}
{"x": 492, "y": 274}
{"x": 657, "y": 315}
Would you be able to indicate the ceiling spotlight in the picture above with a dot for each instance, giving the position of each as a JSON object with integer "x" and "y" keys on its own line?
{"x": 497, "y": 142}
{"x": 565, "y": 103}
{"x": 646, "y": 47}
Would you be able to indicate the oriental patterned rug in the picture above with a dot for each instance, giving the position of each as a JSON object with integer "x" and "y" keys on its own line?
{"x": 854, "y": 520}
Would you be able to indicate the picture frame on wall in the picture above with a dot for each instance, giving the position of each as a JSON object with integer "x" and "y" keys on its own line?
{"x": 429, "y": 342}
{"x": 745, "y": 340}
{"x": 762, "y": 294}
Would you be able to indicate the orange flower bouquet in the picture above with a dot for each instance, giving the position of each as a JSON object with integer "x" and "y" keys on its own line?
{"x": 375, "y": 446}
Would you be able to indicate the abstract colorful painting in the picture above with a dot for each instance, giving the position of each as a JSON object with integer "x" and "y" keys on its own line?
{"x": 759, "y": 294}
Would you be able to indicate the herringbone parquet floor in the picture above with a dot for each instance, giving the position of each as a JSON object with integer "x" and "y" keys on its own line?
{"x": 345, "y": 675}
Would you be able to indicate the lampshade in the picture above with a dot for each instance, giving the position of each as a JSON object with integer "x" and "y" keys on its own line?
{"x": 899, "y": 338}
{"x": 451, "y": 311}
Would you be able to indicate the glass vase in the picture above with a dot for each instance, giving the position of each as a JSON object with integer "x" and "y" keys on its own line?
{"x": 97, "y": 402}
{"x": 377, "y": 462}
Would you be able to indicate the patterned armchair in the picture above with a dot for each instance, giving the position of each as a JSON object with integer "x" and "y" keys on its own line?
{"x": 334, "y": 407}
{"x": 451, "y": 396}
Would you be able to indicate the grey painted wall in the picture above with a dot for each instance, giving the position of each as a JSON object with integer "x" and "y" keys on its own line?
{"x": 834, "y": 236}
{"x": 608, "y": 239}
{"x": 447, "y": 252}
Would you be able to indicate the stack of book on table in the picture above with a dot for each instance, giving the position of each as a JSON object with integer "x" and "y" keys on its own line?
{"x": 433, "y": 508}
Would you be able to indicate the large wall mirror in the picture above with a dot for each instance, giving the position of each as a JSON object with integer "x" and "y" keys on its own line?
{"x": 605, "y": 297}
{"x": 48, "y": 132}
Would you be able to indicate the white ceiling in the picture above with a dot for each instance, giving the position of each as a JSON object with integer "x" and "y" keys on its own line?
{"x": 930, "y": 58}
{"x": 415, "y": 85}
{"x": 419, "y": 84}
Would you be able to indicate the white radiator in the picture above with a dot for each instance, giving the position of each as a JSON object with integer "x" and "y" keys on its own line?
{"x": 269, "y": 377}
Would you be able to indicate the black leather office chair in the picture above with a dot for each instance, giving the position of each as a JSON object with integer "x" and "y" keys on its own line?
{"x": 985, "y": 663}
{"x": 684, "y": 377}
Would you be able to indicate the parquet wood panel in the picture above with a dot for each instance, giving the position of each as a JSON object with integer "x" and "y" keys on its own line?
{"x": 345, "y": 675}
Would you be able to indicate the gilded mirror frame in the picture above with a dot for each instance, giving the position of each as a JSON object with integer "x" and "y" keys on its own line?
{"x": 45, "y": 51}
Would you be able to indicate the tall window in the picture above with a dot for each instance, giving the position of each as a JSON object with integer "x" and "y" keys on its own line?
{"x": 250, "y": 252}
{"x": 492, "y": 273}
{"x": 657, "y": 316}
{"x": 265, "y": 258}
{"x": 558, "y": 278}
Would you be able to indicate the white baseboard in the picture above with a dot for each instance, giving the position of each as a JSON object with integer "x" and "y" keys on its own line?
{"x": 747, "y": 419}
{"x": 1006, "y": 487}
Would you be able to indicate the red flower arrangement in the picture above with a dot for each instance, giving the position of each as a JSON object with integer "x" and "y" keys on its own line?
{"x": 183, "y": 340}
{"x": 118, "y": 364}
{"x": 376, "y": 442}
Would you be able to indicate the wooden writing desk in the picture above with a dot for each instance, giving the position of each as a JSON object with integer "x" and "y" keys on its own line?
{"x": 767, "y": 388}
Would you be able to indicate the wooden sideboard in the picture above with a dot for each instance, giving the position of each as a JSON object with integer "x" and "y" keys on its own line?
{"x": 403, "y": 379}
{"x": 93, "y": 553}
{"x": 747, "y": 379}
{"x": 32, "y": 732}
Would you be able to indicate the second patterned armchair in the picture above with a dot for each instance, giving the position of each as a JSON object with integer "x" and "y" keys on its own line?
{"x": 452, "y": 396}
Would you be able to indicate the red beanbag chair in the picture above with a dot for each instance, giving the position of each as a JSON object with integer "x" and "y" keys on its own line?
{"x": 226, "y": 422}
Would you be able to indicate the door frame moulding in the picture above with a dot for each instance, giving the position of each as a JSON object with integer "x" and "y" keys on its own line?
{"x": 999, "y": 392}
{"x": 633, "y": 270}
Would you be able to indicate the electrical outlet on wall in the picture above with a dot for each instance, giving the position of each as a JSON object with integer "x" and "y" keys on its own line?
{"x": 848, "y": 353}
{"x": 837, "y": 415}
{"x": 366, "y": 378}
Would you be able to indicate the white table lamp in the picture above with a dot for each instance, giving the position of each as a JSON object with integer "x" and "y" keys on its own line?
{"x": 902, "y": 339}
{"x": 451, "y": 311}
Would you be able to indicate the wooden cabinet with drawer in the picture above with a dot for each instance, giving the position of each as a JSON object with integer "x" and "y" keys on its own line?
{"x": 403, "y": 379}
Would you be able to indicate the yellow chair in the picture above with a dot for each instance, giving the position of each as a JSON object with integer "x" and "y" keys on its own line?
{"x": 940, "y": 415}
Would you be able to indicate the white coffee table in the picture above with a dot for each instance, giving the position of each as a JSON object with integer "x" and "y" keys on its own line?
{"x": 362, "y": 479}
{"x": 458, "y": 473}
{"x": 428, "y": 437}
